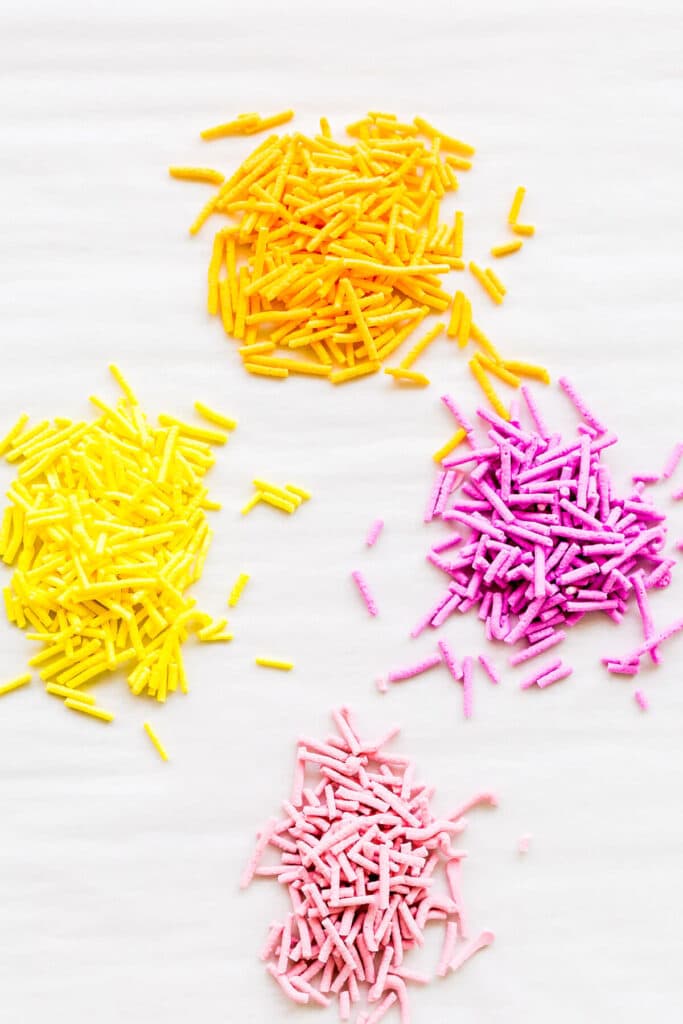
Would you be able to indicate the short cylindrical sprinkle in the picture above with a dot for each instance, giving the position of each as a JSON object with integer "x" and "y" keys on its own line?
{"x": 364, "y": 590}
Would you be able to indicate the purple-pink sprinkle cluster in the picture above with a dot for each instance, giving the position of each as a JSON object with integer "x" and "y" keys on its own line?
{"x": 367, "y": 865}
{"x": 541, "y": 536}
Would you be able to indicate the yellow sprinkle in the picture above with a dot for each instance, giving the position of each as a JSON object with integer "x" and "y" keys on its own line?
{"x": 87, "y": 709}
{"x": 240, "y": 126}
{"x": 485, "y": 384}
{"x": 516, "y": 205}
{"x": 251, "y": 503}
{"x": 498, "y": 370}
{"x": 325, "y": 128}
{"x": 203, "y": 174}
{"x": 13, "y": 433}
{"x": 527, "y": 370}
{"x": 156, "y": 741}
{"x": 407, "y": 376}
{"x": 483, "y": 341}
{"x": 447, "y": 143}
{"x": 458, "y": 437}
{"x": 495, "y": 281}
{"x": 359, "y": 370}
{"x": 237, "y": 589}
{"x": 465, "y": 322}
{"x": 276, "y": 502}
{"x": 257, "y": 349}
{"x": 419, "y": 348}
{"x": 528, "y": 230}
{"x": 215, "y": 417}
{"x": 266, "y": 371}
{"x": 298, "y": 491}
{"x": 284, "y": 666}
{"x": 123, "y": 383}
{"x": 505, "y": 250}
{"x": 198, "y": 433}
{"x": 274, "y": 121}
{"x": 281, "y": 492}
{"x": 486, "y": 283}
{"x": 456, "y": 313}
{"x": 14, "y": 684}
{"x": 302, "y": 366}
{"x": 458, "y": 233}
{"x": 66, "y": 691}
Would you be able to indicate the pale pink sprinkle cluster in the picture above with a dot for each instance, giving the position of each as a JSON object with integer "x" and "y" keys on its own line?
{"x": 547, "y": 539}
{"x": 367, "y": 865}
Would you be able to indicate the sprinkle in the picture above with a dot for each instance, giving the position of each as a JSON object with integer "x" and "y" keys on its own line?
{"x": 283, "y": 666}
{"x": 156, "y": 741}
{"x": 467, "y": 687}
{"x": 253, "y": 501}
{"x": 486, "y": 282}
{"x": 524, "y": 229}
{"x": 641, "y": 700}
{"x": 489, "y": 668}
{"x": 458, "y": 437}
{"x": 524, "y": 842}
{"x": 507, "y": 249}
{"x": 87, "y": 709}
{"x": 410, "y": 671}
{"x": 672, "y": 461}
{"x": 458, "y": 232}
{"x": 407, "y": 376}
{"x": 236, "y": 592}
{"x": 361, "y": 887}
{"x": 246, "y": 124}
{"x": 495, "y": 281}
{"x": 421, "y": 346}
{"x": 203, "y": 174}
{"x": 66, "y": 691}
{"x": 517, "y": 201}
{"x": 362, "y": 585}
{"x": 374, "y": 532}
{"x": 15, "y": 684}
{"x": 215, "y": 417}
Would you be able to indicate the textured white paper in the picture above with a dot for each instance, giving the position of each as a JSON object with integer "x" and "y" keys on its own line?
{"x": 118, "y": 873}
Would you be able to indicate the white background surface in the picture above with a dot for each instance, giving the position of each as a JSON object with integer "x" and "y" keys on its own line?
{"x": 118, "y": 896}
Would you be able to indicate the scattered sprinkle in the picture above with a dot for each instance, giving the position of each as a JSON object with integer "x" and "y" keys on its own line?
{"x": 283, "y": 666}
{"x": 236, "y": 592}
{"x": 374, "y": 532}
{"x": 361, "y": 583}
{"x": 15, "y": 684}
{"x": 641, "y": 700}
{"x": 161, "y": 750}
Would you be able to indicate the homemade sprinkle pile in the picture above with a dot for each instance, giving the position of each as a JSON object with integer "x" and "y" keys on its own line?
{"x": 338, "y": 253}
{"x": 107, "y": 530}
{"x": 548, "y": 539}
{"x": 360, "y": 851}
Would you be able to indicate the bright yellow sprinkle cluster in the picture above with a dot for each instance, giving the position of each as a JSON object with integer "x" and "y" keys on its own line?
{"x": 338, "y": 252}
{"x": 107, "y": 530}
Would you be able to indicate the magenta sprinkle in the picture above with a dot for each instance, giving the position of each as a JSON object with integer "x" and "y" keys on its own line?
{"x": 409, "y": 671}
{"x": 467, "y": 687}
{"x": 672, "y": 461}
{"x": 641, "y": 700}
{"x": 489, "y": 668}
{"x": 541, "y": 536}
{"x": 374, "y": 532}
{"x": 364, "y": 590}
{"x": 366, "y": 864}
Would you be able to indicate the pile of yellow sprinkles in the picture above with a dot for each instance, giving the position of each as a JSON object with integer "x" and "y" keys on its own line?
{"x": 106, "y": 530}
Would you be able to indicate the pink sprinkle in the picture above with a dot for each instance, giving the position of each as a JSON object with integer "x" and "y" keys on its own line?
{"x": 382, "y": 684}
{"x": 489, "y": 668}
{"x": 580, "y": 405}
{"x": 374, "y": 532}
{"x": 641, "y": 700}
{"x": 523, "y": 843}
{"x": 672, "y": 461}
{"x": 467, "y": 687}
{"x": 544, "y": 670}
{"x": 555, "y": 676}
{"x": 409, "y": 671}
{"x": 450, "y": 660}
{"x": 362, "y": 585}
{"x": 535, "y": 649}
{"x": 470, "y": 948}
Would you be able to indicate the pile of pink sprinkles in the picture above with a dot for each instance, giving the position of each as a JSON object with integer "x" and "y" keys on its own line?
{"x": 361, "y": 854}
{"x": 548, "y": 540}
